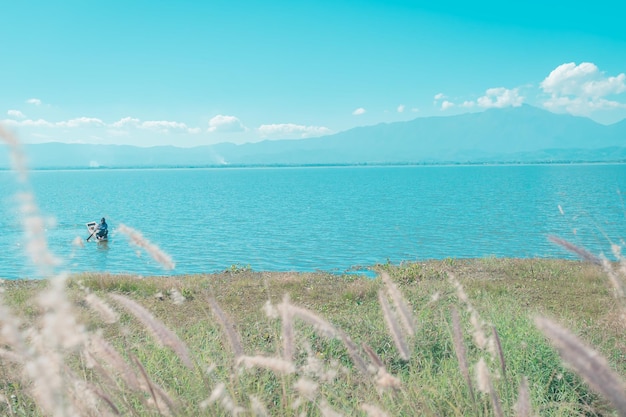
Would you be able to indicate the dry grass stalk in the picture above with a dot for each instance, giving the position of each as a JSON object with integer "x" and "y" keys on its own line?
{"x": 160, "y": 399}
{"x": 522, "y": 406}
{"x": 459, "y": 348}
{"x": 161, "y": 333}
{"x": 401, "y": 305}
{"x": 287, "y": 330}
{"x": 153, "y": 250}
{"x": 586, "y": 362}
{"x": 358, "y": 361}
{"x": 393, "y": 327}
{"x": 577, "y": 250}
{"x": 373, "y": 356}
{"x": 499, "y": 351}
{"x": 229, "y": 328}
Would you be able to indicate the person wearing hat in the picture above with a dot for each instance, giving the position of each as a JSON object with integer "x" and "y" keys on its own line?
{"x": 103, "y": 229}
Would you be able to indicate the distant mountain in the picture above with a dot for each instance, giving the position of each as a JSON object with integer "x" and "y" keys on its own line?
{"x": 516, "y": 134}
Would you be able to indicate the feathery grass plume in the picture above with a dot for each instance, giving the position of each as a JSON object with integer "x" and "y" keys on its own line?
{"x": 393, "y": 327}
{"x": 402, "y": 307}
{"x": 84, "y": 397}
{"x": 358, "y": 361}
{"x": 486, "y": 386}
{"x": 287, "y": 330}
{"x": 32, "y": 222}
{"x": 176, "y": 296}
{"x": 78, "y": 242}
{"x": 322, "y": 326}
{"x": 306, "y": 388}
{"x": 136, "y": 238}
{"x": 614, "y": 278}
{"x": 586, "y": 362}
{"x": 11, "y": 356}
{"x": 219, "y": 394}
{"x": 327, "y": 410}
{"x": 257, "y": 407}
{"x": 522, "y": 406}
{"x": 277, "y": 365}
{"x": 18, "y": 158}
{"x": 480, "y": 338}
{"x": 459, "y": 348}
{"x": 577, "y": 250}
{"x": 45, "y": 370}
{"x": 384, "y": 380}
{"x": 161, "y": 333}
{"x": 103, "y": 351}
{"x": 373, "y": 411}
{"x": 228, "y": 327}
{"x": 97, "y": 304}
{"x": 499, "y": 351}
{"x": 35, "y": 233}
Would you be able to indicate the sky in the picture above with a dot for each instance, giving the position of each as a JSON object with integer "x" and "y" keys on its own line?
{"x": 189, "y": 73}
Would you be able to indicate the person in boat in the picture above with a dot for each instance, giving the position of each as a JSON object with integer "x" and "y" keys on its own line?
{"x": 103, "y": 229}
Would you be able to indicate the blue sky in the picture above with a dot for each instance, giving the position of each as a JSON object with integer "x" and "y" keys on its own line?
{"x": 190, "y": 73}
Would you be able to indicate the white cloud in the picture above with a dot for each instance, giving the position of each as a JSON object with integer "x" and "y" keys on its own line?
{"x": 401, "y": 108}
{"x": 468, "y": 104}
{"x": 285, "y": 130}
{"x": 359, "y": 111}
{"x": 34, "y": 101}
{"x": 81, "y": 121}
{"x": 222, "y": 123}
{"x": 163, "y": 126}
{"x": 500, "y": 97}
{"x": 27, "y": 123}
{"x": 446, "y": 105}
{"x": 581, "y": 89}
{"x": 16, "y": 113}
{"x": 125, "y": 121}
{"x": 440, "y": 96}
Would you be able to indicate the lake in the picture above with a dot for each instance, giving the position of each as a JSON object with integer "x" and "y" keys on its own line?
{"x": 316, "y": 218}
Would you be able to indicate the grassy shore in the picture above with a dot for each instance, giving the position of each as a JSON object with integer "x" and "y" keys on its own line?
{"x": 282, "y": 344}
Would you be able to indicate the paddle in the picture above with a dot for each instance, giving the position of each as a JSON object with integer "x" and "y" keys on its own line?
{"x": 92, "y": 234}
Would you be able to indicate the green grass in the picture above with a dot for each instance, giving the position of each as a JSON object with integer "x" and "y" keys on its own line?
{"x": 506, "y": 293}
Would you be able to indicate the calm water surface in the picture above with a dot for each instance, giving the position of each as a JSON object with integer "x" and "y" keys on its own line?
{"x": 306, "y": 219}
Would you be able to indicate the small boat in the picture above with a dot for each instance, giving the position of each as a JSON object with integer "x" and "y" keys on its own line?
{"x": 92, "y": 227}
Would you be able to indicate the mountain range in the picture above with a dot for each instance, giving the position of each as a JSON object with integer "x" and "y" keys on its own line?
{"x": 522, "y": 134}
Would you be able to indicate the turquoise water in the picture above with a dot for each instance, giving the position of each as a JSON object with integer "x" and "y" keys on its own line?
{"x": 322, "y": 218}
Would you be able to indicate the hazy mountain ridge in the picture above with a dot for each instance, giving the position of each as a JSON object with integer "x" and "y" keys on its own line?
{"x": 524, "y": 134}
